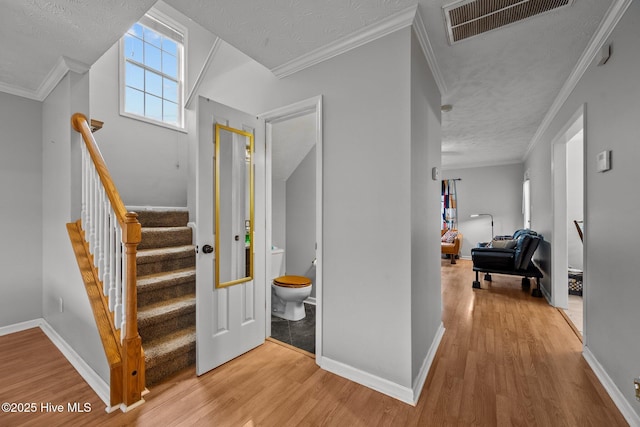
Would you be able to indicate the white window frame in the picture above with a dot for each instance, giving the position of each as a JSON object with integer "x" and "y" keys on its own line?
{"x": 163, "y": 19}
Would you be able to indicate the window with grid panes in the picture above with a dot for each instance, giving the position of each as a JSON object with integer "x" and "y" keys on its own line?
{"x": 152, "y": 88}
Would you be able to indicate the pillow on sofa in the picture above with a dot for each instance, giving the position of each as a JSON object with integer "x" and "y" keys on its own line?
{"x": 503, "y": 243}
{"x": 449, "y": 236}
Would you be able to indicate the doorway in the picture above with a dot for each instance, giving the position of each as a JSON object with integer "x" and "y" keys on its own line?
{"x": 568, "y": 267}
{"x": 294, "y": 216}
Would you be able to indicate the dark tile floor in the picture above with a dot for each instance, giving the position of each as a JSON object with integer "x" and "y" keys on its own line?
{"x": 301, "y": 334}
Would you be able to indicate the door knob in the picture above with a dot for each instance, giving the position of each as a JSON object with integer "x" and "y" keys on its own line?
{"x": 207, "y": 249}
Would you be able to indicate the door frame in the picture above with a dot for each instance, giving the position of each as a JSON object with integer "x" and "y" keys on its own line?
{"x": 311, "y": 105}
{"x": 559, "y": 244}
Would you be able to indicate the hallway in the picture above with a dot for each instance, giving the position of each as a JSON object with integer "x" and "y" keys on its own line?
{"x": 506, "y": 359}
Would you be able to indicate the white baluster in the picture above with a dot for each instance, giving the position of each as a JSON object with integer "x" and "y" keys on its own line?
{"x": 110, "y": 277}
{"x": 83, "y": 214}
{"x": 118, "y": 282}
{"x": 123, "y": 292}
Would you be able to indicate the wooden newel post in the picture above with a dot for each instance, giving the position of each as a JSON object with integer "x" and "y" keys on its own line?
{"x": 132, "y": 357}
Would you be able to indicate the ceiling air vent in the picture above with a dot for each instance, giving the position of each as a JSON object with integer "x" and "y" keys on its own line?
{"x": 468, "y": 18}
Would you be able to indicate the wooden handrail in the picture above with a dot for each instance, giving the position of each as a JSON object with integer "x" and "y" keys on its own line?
{"x": 81, "y": 125}
{"x": 132, "y": 354}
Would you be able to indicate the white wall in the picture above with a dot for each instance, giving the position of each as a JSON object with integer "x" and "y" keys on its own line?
{"x": 20, "y": 209}
{"x": 612, "y": 107}
{"x": 496, "y": 190}
{"x": 575, "y": 188}
{"x": 426, "y": 302}
{"x": 367, "y": 195}
{"x": 61, "y": 277}
{"x": 301, "y": 217}
{"x": 148, "y": 163}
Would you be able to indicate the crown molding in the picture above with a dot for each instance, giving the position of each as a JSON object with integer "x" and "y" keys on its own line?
{"x": 356, "y": 39}
{"x": 451, "y": 166}
{"x": 421, "y": 33}
{"x": 608, "y": 23}
{"x": 19, "y": 91}
{"x": 57, "y": 73}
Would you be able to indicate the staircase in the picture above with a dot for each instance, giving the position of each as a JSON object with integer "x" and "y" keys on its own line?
{"x": 166, "y": 293}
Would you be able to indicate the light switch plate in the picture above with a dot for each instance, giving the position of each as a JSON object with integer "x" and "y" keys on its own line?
{"x": 604, "y": 161}
{"x": 435, "y": 174}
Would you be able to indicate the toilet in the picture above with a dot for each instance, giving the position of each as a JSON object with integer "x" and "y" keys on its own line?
{"x": 287, "y": 292}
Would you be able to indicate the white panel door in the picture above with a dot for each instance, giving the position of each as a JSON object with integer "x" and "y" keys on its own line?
{"x": 231, "y": 320}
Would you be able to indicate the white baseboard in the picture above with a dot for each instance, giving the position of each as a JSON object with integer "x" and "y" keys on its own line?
{"x": 404, "y": 394}
{"x": 627, "y": 410}
{"x": 99, "y": 386}
{"x": 19, "y": 327}
{"x": 418, "y": 383}
{"x": 311, "y": 300}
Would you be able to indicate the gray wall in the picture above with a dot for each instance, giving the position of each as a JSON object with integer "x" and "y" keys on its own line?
{"x": 426, "y": 302}
{"x": 152, "y": 157}
{"x": 20, "y": 209}
{"x": 301, "y": 216}
{"x": 612, "y": 106}
{"x": 367, "y": 195}
{"x": 489, "y": 189}
{"x": 61, "y": 277}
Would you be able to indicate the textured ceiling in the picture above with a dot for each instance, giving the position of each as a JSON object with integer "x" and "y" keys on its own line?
{"x": 274, "y": 32}
{"x": 34, "y": 34}
{"x": 500, "y": 84}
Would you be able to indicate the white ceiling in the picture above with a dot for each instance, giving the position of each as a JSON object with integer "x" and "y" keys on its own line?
{"x": 501, "y": 83}
{"x": 35, "y": 34}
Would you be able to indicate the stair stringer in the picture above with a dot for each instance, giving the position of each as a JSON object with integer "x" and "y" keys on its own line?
{"x": 109, "y": 336}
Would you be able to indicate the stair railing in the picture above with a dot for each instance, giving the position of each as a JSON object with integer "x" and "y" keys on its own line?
{"x": 112, "y": 235}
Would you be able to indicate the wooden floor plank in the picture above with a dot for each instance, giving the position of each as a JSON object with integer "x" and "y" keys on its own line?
{"x": 506, "y": 359}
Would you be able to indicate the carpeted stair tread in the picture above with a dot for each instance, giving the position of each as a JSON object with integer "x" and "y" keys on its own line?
{"x": 162, "y": 350}
{"x": 160, "y": 254}
{"x": 153, "y": 282}
{"x": 164, "y": 310}
{"x": 159, "y": 237}
{"x": 159, "y": 217}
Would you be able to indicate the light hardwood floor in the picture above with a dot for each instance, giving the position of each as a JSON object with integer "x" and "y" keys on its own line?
{"x": 506, "y": 359}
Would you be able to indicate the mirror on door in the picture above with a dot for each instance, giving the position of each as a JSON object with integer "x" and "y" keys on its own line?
{"x": 233, "y": 206}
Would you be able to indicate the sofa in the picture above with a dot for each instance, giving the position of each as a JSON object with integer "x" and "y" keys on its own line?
{"x": 511, "y": 255}
{"x": 450, "y": 243}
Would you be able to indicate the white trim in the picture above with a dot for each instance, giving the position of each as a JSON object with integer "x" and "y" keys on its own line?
{"x": 19, "y": 327}
{"x": 627, "y": 410}
{"x": 310, "y": 300}
{"x": 421, "y": 33}
{"x": 62, "y": 66}
{"x": 482, "y": 164}
{"x": 356, "y": 39}
{"x": 419, "y": 381}
{"x": 374, "y": 382}
{"x": 608, "y": 23}
{"x": 99, "y": 386}
{"x": 274, "y": 116}
{"x": 203, "y": 72}
{"x": 402, "y": 393}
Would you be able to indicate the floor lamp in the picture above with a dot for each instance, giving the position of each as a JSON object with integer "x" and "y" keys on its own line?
{"x": 485, "y": 214}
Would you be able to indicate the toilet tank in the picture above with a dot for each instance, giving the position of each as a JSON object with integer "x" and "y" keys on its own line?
{"x": 277, "y": 262}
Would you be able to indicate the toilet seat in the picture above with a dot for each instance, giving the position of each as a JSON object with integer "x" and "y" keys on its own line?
{"x": 292, "y": 281}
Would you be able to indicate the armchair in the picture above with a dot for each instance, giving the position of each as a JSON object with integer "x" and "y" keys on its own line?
{"x": 512, "y": 257}
{"x": 451, "y": 248}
